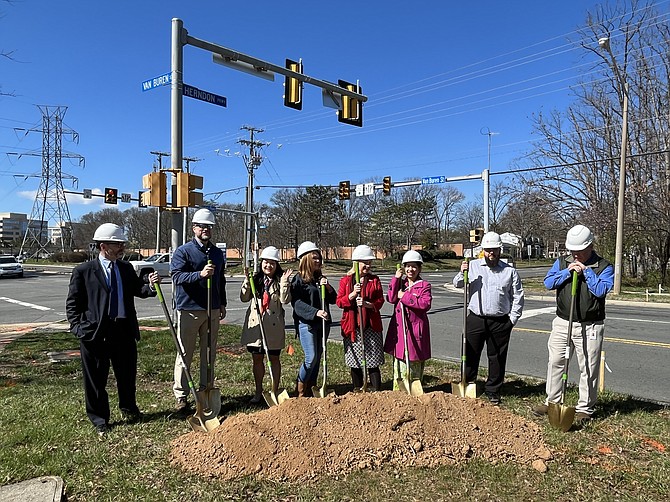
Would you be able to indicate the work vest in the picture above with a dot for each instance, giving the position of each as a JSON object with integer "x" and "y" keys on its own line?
{"x": 588, "y": 307}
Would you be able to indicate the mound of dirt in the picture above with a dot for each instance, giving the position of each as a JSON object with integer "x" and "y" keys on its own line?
{"x": 308, "y": 437}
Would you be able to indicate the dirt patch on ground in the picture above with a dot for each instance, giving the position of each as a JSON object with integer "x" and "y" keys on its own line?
{"x": 308, "y": 437}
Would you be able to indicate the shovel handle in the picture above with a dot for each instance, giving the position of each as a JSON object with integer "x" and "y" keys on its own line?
{"x": 357, "y": 272}
{"x": 251, "y": 283}
{"x": 575, "y": 280}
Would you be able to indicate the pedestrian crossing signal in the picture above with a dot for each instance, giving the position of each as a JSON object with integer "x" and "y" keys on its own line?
{"x": 111, "y": 195}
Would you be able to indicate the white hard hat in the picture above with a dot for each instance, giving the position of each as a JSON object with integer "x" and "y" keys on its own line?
{"x": 579, "y": 237}
{"x": 204, "y": 216}
{"x": 306, "y": 247}
{"x": 363, "y": 253}
{"x": 270, "y": 253}
{"x": 411, "y": 256}
{"x": 109, "y": 232}
{"x": 491, "y": 240}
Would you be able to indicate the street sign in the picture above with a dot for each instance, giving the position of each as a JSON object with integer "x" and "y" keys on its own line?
{"x": 209, "y": 97}
{"x": 359, "y": 190}
{"x": 369, "y": 189}
{"x": 433, "y": 180}
{"x": 87, "y": 193}
{"x": 159, "y": 81}
{"x": 125, "y": 197}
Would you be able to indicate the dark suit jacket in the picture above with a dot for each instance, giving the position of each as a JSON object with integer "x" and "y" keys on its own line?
{"x": 88, "y": 299}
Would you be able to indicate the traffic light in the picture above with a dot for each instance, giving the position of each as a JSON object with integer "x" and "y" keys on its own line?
{"x": 157, "y": 194}
{"x": 293, "y": 86}
{"x": 345, "y": 190}
{"x": 140, "y": 199}
{"x": 352, "y": 108}
{"x": 111, "y": 195}
{"x": 186, "y": 183}
{"x": 476, "y": 235}
{"x": 386, "y": 185}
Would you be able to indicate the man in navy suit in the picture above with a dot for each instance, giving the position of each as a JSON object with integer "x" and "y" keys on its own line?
{"x": 101, "y": 311}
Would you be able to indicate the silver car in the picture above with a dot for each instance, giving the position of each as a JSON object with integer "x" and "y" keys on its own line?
{"x": 10, "y": 267}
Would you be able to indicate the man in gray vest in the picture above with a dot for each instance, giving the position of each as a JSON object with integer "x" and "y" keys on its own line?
{"x": 596, "y": 278}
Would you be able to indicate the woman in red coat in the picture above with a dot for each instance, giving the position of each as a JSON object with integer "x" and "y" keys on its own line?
{"x": 366, "y": 297}
{"x": 415, "y": 296}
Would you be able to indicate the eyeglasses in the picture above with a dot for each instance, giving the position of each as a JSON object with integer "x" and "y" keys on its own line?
{"x": 203, "y": 226}
{"x": 119, "y": 244}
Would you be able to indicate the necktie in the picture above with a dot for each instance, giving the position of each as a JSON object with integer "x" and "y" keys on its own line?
{"x": 266, "y": 294}
{"x": 113, "y": 293}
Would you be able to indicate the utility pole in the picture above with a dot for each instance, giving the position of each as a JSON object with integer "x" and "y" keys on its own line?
{"x": 50, "y": 203}
{"x": 251, "y": 161}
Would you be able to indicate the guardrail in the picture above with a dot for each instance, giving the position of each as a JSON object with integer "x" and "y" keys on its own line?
{"x": 660, "y": 292}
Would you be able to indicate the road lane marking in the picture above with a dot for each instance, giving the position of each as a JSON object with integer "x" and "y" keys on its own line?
{"x": 25, "y": 304}
{"x": 535, "y": 312}
{"x": 644, "y": 343}
{"x": 637, "y": 320}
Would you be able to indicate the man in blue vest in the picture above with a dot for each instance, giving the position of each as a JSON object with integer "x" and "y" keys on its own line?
{"x": 596, "y": 279}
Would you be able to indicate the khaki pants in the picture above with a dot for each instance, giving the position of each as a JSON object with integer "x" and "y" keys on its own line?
{"x": 192, "y": 328}
{"x": 587, "y": 342}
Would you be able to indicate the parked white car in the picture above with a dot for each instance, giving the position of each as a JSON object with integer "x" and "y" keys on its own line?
{"x": 159, "y": 262}
{"x": 10, "y": 267}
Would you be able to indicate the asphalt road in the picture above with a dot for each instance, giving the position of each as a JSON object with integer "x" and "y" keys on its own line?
{"x": 637, "y": 335}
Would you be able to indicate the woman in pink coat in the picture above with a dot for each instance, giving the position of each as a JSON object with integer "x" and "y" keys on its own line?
{"x": 414, "y": 294}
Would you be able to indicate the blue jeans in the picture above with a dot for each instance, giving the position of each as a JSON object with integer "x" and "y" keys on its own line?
{"x": 311, "y": 340}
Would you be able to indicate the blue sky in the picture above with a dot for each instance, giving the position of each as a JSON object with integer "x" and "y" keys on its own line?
{"x": 438, "y": 76}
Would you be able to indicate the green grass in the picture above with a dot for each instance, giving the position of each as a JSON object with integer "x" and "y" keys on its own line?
{"x": 45, "y": 432}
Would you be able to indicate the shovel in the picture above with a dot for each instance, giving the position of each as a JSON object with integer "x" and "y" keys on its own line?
{"x": 210, "y": 394}
{"x": 360, "y": 325}
{"x": 204, "y": 419}
{"x": 322, "y": 391}
{"x": 561, "y": 416}
{"x": 271, "y": 398}
{"x": 463, "y": 388}
{"x": 412, "y": 387}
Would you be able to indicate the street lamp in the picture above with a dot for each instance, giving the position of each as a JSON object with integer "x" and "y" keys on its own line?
{"x": 604, "y": 44}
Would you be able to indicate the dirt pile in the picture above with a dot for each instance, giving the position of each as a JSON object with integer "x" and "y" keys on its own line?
{"x": 305, "y": 438}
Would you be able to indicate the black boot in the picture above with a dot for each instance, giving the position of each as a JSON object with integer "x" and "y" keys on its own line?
{"x": 357, "y": 378}
{"x": 376, "y": 379}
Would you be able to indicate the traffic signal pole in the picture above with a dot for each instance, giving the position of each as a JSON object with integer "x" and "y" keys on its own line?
{"x": 234, "y": 59}
{"x": 176, "y": 125}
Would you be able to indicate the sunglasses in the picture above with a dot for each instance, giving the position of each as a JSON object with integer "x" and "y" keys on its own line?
{"x": 203, "y": 226}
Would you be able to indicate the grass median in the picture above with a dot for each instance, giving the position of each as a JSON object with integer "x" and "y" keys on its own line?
{"x": 620, "y": 456}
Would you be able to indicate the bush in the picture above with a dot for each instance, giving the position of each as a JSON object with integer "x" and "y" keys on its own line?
{"x": 426, "y": 255}
{"x": 444, "y": 255}
{"x": 69, "y": 257}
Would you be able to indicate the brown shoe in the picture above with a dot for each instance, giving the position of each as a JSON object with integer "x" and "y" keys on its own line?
{"x": 540, "y": 410}
{"x": 182, "y": 404}
{"x": 300, "y": 389}
{"x": 581, "y": 417}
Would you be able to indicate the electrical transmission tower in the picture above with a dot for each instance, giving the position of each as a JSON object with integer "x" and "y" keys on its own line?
{"x": 251, "y": 161}
{"x": 50, "y": 204}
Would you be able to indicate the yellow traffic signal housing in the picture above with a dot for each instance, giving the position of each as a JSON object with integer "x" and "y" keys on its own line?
{"x": 352, "y": 109}
{"x": 476, "y": 235}
{"x": 157, "y": 194}
{"x": 140, "y": 199}
{"x": 293, "y": 86}
{"x": 186, "y": 183}
{"x": 344, "y": 190}
{"x": 386, "y": 185}
{"x": 111, "y": 195}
